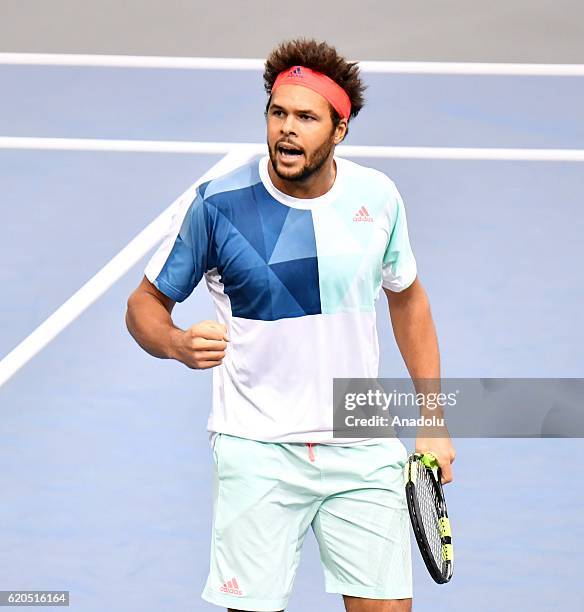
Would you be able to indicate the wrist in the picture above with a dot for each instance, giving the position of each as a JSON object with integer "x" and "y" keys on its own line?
{"x": 174, "y": 344}
{"x": 428, "y": 413}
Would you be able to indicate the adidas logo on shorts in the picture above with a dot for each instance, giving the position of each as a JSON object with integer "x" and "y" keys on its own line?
{"x": 232, "y": 588}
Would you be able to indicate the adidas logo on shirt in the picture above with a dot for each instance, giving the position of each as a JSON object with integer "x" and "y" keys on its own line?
{"x": 362, "y": 215}
{"x": 231, "y": 587}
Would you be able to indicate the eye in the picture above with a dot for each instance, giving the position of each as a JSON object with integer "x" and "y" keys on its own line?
{"x": 303, "y": 116}
{"x": 276, "y": 112}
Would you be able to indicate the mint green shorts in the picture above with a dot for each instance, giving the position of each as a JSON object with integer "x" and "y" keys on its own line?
{"x": 267, "y": 495}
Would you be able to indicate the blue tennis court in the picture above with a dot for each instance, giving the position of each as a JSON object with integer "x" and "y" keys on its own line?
{"x": 105, "y": 465}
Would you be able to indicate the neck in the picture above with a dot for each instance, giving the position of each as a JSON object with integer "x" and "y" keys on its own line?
{"x": 314, "y": 186}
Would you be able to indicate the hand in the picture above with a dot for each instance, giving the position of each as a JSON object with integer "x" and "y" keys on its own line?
{"x": 202, "y": 346}
{"x": 442, "y": 449}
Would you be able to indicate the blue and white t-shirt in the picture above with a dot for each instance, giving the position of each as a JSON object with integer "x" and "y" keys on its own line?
{"x": 295, "y": 282}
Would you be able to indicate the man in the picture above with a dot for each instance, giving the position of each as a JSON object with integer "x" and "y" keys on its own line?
{"x": 294, "y": 249}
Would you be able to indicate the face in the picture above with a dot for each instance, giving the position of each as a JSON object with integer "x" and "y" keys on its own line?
{"x": 300, "y": 131}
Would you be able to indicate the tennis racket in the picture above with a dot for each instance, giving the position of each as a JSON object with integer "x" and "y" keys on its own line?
{"x": 428, "y": 514}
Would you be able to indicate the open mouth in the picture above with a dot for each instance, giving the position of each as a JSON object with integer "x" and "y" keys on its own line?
{"x": 289, "y": 152}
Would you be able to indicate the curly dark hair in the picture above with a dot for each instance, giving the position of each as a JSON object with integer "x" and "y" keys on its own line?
{"x": 321, "y": 57}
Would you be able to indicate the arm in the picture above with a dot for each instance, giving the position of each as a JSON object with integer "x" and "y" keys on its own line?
{"x": 415, "y": 335}
{"x": 414, "y": 331}
{"x": 149, "y": 321}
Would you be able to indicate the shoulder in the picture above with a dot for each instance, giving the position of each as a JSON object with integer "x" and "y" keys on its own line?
{"x": 370, "y": 178}
{"x": 241, "y": 178}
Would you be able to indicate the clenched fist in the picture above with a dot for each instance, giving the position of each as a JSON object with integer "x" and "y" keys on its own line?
{"x": 202, "y": 345}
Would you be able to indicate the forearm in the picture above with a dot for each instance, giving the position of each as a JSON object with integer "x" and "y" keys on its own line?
{"x": 415, "y": 335}
{"x": 150, "y": 324}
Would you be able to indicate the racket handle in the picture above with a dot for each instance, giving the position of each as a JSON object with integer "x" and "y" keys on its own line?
{"x": 430, "y": 461}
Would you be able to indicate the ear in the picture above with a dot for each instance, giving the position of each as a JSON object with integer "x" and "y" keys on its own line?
{"x": 340, "y": 131}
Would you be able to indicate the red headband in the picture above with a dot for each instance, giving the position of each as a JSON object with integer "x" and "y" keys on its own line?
{"x": 327, "y": 88}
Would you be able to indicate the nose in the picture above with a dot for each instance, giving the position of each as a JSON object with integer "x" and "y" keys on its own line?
{"x": 288, "y": 124}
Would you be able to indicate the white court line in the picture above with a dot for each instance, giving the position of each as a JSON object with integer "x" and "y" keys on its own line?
{"x": 233, "y": 63}
{"x": 106, "y": 277}
{"x": 222, "y": 148}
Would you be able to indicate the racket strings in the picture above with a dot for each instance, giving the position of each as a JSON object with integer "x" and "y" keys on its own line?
{"x": 429, "y": 502}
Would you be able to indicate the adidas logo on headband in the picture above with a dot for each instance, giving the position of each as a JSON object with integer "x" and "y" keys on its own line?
{"x": 318, "y": 82}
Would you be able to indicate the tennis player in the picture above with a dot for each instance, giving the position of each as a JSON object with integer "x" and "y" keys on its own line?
{"x": 295, "y": 248}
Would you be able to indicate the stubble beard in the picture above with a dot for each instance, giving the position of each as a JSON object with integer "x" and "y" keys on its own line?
{"x": 311, "y": 165}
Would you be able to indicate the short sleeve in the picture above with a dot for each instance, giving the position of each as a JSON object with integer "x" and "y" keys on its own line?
{"x": 181, "y": 260}
{"x": 399, "y": 268}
